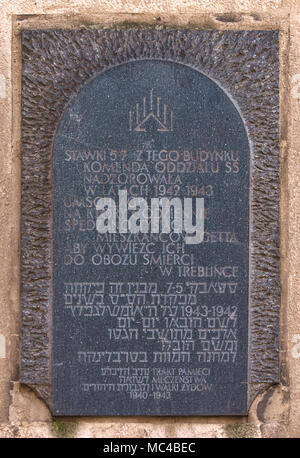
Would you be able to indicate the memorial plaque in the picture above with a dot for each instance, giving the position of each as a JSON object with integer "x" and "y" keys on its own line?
{"x": 150, "y": 319}
{"x": 148, "y": 234}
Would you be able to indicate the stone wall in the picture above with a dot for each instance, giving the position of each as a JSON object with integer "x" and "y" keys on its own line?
{"x": 275, "y": 412}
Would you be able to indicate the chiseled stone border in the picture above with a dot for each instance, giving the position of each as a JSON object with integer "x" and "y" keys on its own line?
{"x": 55, "y": 65}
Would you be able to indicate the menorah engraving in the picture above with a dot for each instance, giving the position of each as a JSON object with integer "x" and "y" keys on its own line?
{"x": 151, "y": 114}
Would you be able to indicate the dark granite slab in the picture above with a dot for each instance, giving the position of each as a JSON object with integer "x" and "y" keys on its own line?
{"x": 146, "y": 323}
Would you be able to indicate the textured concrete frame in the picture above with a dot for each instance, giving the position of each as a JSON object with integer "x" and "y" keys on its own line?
{"x": 55, "y": 65}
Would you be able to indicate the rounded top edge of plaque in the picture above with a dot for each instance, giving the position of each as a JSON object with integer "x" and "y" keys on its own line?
{"x": 178, "y": 63}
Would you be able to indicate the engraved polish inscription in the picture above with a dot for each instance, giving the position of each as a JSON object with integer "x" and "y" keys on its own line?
{"x": 150, "y": 321}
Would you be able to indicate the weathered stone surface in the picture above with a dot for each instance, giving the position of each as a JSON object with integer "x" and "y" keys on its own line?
{"x": 55, "y": 66}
